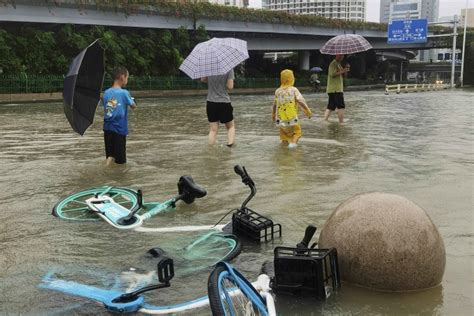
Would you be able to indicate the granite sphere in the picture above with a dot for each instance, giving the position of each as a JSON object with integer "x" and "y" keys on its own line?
{"x": 386, "y": 242}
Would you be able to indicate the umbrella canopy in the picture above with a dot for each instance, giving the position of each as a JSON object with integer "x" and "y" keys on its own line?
{"x": 82, "y": 87}
{"x": 316, "y": 69}
{"x": 214, "y": 57}
{"x": 346, "y": 44}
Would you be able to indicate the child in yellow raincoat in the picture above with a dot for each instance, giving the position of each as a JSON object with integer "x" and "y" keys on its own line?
{"x": 285, "y": 109}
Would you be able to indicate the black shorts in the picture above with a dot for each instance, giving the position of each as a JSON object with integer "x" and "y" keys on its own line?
{"x": 336, "y": 100}
{"x": 115, "y": 146}
{"x": 219, "y": 111}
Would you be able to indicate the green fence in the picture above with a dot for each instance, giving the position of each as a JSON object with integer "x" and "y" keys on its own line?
{"x": 47, "y": 84}
{"x": 31, "y": 84}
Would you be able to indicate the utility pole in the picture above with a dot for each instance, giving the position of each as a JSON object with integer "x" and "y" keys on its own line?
{"x": 464, "y": 44}
{"x": 453, "y": 57}
{"x": 454, "y": 35}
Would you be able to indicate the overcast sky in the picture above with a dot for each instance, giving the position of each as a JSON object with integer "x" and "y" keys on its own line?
{"x": 446, "y": 8}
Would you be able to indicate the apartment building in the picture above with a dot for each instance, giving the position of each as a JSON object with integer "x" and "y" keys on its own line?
{"x": 354, "y": 10}
{"x": 411, "y": 9}
{"x": 235, "y": 3}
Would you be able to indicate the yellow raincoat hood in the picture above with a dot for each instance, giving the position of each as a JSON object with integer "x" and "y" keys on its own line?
{"x": 287, "y": 78}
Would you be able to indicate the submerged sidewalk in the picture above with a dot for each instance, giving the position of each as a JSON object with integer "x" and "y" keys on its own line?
{"x": 57, "y": 96}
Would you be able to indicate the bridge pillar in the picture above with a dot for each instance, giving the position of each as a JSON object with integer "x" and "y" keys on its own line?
{"x": 303, "y": 60}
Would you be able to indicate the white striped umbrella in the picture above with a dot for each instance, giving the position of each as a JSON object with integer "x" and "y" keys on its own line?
{"x": 214, "y": 57}
{"x": 345, "y": 44}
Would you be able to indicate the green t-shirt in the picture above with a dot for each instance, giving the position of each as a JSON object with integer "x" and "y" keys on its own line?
{"x": 334, "y": 81}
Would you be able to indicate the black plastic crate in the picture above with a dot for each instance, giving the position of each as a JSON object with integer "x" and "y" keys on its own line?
{"x": 253, "y": 226}
{"x": 301, "y": 270}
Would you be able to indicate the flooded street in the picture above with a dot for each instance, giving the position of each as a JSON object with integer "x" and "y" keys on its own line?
{"x": 417, "y": 145}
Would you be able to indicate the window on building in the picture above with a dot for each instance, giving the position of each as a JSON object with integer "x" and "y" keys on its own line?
{"x": 440, "y": 56}
{"x": 405, "y": 7}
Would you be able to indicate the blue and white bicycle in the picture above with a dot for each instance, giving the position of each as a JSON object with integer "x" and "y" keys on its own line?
{"x": 229, "y": 293}
{"x": 122, "y": 208}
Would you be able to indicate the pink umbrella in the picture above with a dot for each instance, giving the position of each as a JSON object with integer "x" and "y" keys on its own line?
{"x": 345, "y": 44}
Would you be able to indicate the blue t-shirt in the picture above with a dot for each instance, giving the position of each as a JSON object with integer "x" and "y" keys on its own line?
{"x": 116, "y": 102}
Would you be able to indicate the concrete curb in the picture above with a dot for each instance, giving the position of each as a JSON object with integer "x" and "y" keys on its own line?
{"x": 57, "y": 96}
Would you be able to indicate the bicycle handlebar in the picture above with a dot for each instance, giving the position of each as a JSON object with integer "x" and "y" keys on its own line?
{"x": 308, "y": 234}
{"x": 240, "y": 170}
{"x": 165, "y": 269}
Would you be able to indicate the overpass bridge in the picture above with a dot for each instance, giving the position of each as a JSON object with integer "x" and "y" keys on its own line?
{"x": 259, "y": 36}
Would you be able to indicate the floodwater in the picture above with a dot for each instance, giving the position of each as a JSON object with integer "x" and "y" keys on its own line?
{"x": 417, "y": 145}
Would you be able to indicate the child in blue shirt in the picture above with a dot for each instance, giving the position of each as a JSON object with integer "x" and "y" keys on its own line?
{"x": 116, "y": 102}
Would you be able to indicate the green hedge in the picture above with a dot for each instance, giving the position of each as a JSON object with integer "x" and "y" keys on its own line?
{"x": 202, "y": 10}
{"x": 197, "y": 9}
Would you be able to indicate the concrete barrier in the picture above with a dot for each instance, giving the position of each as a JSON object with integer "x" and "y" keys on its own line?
{"x": 58, "y": 97}
{"x": 415, "y": 87}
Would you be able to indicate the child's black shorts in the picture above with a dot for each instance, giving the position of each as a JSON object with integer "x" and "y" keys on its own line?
{"x": 336, "y": 100}
{"x": 115, "y": 146}
{"x": 219, "y": 111}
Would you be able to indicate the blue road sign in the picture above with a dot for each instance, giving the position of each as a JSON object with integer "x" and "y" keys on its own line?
{"x": 407, "y": 31}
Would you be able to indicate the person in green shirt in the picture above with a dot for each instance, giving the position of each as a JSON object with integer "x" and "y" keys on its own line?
{"x": 335, "y": 88}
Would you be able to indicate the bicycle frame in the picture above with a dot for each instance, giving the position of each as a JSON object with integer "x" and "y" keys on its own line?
{"x": 123, "y": 208}
{"x": 243, "y": 286}
{"x": 262, "y": 284}
{"x": 107, "y": 297}
{"x": 113, "y": 213}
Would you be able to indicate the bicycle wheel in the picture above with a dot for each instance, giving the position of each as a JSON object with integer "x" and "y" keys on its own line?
{"x": 74, "y": 207}
{"x": 233, "y": 295}
{"x": 213, "y": 247}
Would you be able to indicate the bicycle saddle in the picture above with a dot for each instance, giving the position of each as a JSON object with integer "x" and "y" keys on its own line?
{"x": 188, "y": 190}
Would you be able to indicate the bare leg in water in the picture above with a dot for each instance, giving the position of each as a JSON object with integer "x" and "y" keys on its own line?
{"x": 327, "y": 114}
{"x": 213, "y": 128}
{"x": 340, "y": 115}
{"x": 109, "y": 161}
{"x": 230, "y": 133}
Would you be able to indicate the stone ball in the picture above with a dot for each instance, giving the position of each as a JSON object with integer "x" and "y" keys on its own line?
{"x": 385, "y": 242}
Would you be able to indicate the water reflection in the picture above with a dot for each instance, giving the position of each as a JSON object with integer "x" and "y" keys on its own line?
{"x": 353, "y": 300}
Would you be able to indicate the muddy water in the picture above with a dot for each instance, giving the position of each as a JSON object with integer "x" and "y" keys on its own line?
{"x": 417, "y": 145}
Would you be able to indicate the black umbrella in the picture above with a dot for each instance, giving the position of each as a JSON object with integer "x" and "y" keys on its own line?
{"x": 82, "y": 87}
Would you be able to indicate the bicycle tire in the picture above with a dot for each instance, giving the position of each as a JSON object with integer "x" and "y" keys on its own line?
{"x": 236, "y": 250}
{"x": 211, "y": 248}
{"x": 219, "y": 296}
{"x": 74, "y": 208}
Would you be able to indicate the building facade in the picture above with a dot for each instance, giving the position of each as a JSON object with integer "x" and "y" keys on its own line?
{"x": 408, "y": 10}
{"x": 354, "y": 10}
{"x": 235, "y": 3}
{"x": 411, "y": 9}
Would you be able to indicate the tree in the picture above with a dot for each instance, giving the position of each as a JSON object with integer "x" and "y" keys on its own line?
{"x": 145, "y": 52}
